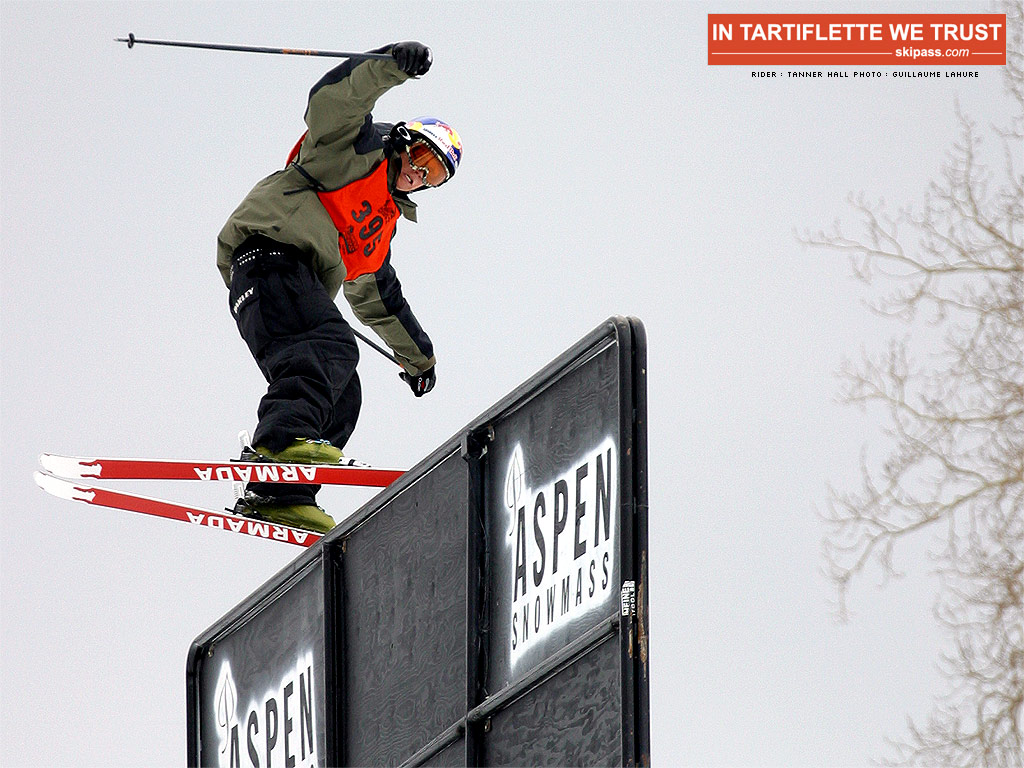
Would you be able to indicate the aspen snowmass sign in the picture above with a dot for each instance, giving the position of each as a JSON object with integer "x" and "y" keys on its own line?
{"x": 277, "y": 728}
{"x": 561, "y": 544}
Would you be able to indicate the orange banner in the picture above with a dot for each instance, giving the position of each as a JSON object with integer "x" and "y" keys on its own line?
{"x": 886, "y": 39}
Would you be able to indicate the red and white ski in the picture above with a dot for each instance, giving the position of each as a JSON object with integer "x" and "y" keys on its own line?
{"x": 67, "y": 489}
{"x": 354, "y": 473}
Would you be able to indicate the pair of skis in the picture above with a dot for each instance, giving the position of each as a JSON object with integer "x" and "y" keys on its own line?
{"x": 69, "y": 477}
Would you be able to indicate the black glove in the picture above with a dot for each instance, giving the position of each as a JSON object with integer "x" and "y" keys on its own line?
{"x": 412, "y": 58}
{"x": 422, "y": 383}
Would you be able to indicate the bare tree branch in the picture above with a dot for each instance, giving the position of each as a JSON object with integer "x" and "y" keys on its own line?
{"x": 956, "y": 426}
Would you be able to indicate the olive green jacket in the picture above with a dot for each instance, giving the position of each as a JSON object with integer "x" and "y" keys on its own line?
{"x": 341, "y": 146}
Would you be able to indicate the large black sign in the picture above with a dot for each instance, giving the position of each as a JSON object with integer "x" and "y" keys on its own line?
{"x": 261, "y": 683}
{"x": 552, "y": 506}
{"x": 489, "y": 608}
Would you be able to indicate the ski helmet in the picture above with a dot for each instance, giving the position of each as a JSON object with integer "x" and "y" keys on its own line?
{"x": 441, "y": 137}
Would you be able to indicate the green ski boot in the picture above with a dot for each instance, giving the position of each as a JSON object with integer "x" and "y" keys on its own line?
{"x": 301, "y": 451}
{"x": 309, "y": 517}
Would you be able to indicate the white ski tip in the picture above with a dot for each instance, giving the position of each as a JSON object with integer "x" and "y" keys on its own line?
{"x": 67, "y": 466}
{"x": 61, "y": 488}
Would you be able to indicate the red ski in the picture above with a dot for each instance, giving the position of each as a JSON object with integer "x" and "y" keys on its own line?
{"x": 354, "y": 473}
{"x": 66, "y": 489}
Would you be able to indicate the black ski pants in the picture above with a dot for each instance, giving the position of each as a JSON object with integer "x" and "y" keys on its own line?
{"x": 303, "y": 346}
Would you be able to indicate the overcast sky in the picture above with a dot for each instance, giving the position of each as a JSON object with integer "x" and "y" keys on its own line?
{"x": 607, "y": 170}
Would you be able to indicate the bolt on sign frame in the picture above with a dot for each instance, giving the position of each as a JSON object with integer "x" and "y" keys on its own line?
{"x": 488, "y": 608}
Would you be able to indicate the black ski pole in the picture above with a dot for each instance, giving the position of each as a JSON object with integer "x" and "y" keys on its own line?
{"x": 377, "y": 347}
{"x": 132, "y": 40}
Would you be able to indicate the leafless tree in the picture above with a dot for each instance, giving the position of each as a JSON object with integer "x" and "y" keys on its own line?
{"x": 956, "y": 422}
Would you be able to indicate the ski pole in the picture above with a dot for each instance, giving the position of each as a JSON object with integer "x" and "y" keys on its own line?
{"x": 377, "y": 347}
{"x": 132, "y": 40}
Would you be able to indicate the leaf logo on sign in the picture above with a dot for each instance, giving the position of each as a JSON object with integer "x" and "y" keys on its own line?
{"x": 226, "y": 700}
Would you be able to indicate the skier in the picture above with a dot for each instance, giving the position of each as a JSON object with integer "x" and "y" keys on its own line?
{"x": 322, "y": 225}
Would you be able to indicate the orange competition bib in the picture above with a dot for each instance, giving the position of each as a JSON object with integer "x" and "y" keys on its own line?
{"x": 365, "y": 217}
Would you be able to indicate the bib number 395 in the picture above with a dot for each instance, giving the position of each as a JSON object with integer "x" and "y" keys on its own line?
{"x": 369, "y": 232}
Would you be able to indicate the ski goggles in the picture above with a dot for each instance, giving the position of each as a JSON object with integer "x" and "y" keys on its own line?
{"x": 423, "y": 158}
